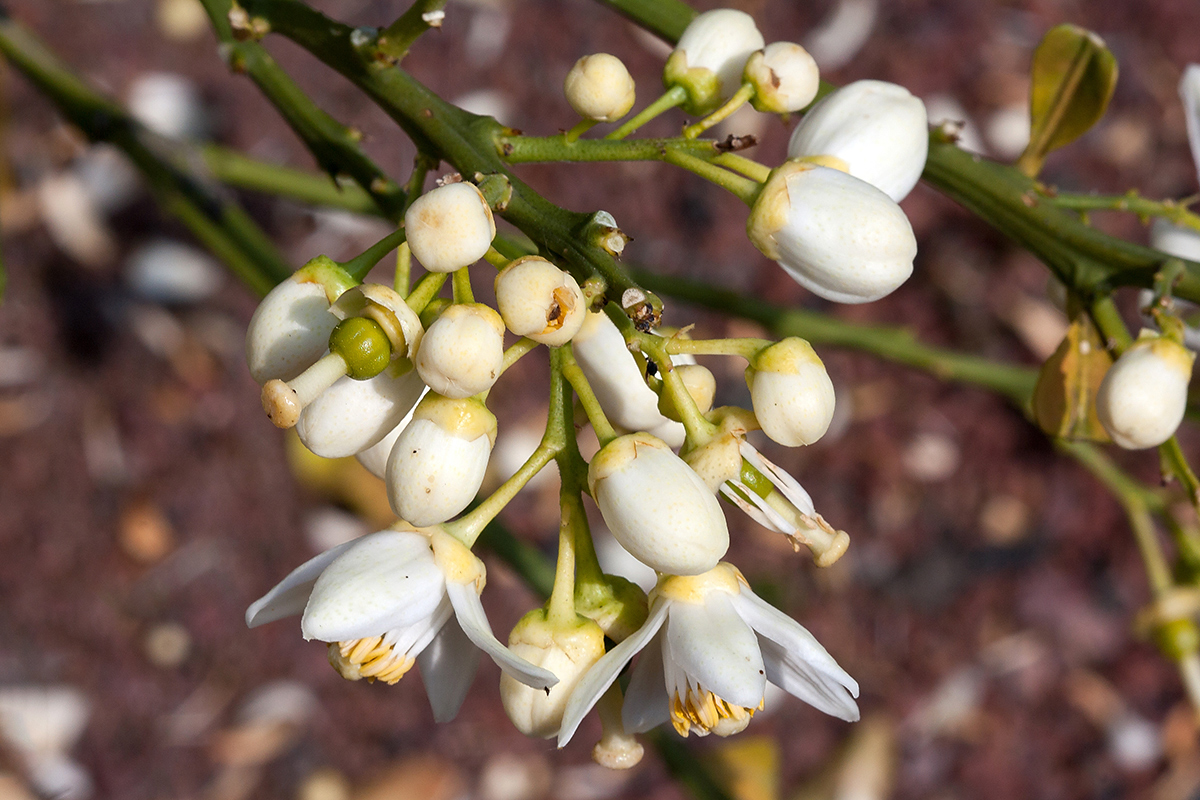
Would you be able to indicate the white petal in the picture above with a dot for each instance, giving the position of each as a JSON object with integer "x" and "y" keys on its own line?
{"x": 597, "y": 680}
{"x": 290, "y": 595}
{"x": 1189, "y": 93}
{"x": 469, "y": 611}
{"x": 646, "y": 703}
{"x": 375, "y": 457}
{"x": 1175, "y": 240}
{"x": 796, "y": 661}
{"x": 716, "y": 648}
{"x": 448, "y": 667}
{"x": 351, "y": 415}
{"x": 433, "y": 474}
{"x": 386, "y": 580}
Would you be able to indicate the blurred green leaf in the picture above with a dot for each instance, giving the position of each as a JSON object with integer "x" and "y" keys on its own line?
{"x": 1073, "y": 77}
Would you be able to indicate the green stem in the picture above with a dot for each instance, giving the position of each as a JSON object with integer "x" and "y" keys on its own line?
{"x": 1175, "y": 211}
{"x": 699, "y": 430}
{"x": 675, "y": 96}
{"x": 397, "y": 38}
{"x": 462, "y": 286}
{"x": 745, "y": 189}
{"x": 402, "y": 281}
{"x": 234, "y": 169}
{"x": 335, "y": 146}
{"x": 739, "y": 99}
{"x": 664, "y": 18}
{"x": 1109, "y": 322}
{"x": 747, "y": 166}
{"x": 746, "y": 348}
{"x": 519, "y": 149}
{"x": 516, "y": 351}
{"x": 422, "y": 164}
{"x": 587, "y": 398}
{"x": 427, "y": 289}
{"x": 579, "y": 129}
{"x": 468, "y": 527}
{"x": 359, "y": 266}
{"x": 1176, "y": 462}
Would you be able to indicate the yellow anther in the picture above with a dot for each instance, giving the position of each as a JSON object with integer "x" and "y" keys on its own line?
{"x": 706, "y": 713}
{"x": 371, "y": 658}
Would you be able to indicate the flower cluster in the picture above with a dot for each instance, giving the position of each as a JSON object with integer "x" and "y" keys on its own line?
{"x": 400, "y": 379}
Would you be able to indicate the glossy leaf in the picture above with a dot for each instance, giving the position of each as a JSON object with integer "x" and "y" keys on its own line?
{"x": 1064, "y": 398}
{"x": 1073, "y": 77}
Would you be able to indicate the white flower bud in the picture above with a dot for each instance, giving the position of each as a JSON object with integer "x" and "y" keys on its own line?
{"x": 1143, "y": 395}
{"x": 289, "y": 330}
{"x": 351, "y": 415}
{"x": 837, "y": 236}
{"x": 568, "y": 651}
{"x": 375, "y": 457}
{"x": 539, "y": 300}
{"x": 599, "y": 87}
{"x": 449, "y": 227}
{"x": 700, "y": 384}
{"x": 656, "y": 506}
{"x": 791, "y": 392}
{"x": 463, "y": 351}
{"x": 438, "y": 462}
{"x": 785, "y": 78}
{"x": 613, "y": 373}
{"x": 721, "y": 41}
{"x": 878, "y": 129}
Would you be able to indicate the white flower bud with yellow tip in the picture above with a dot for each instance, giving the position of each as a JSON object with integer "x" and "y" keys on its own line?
{"x": 835, "y": 235}
{"x": 289, "y": 330}
{"x": 791, "y": 391}
{"x": 462, "y": 353}
{"x": 539, "y": 300}
{"x": 700, "y": 383}
{"x": 785, "y": 78}
{"x": 566, "y": 650}
{"x": 449, "y": 227}
{"x": 1143, "y": 395}
{"x": 599, "y": 87}
{"x": 656, "y": 506}
{"x": 718, "y": 42}
{"x": 438, "y": 462}
{"x": 880, "y": 130}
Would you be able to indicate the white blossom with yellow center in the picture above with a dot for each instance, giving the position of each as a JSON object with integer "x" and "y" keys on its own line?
{"x": 708, "y": 649}
{"x": 394, "y": 598}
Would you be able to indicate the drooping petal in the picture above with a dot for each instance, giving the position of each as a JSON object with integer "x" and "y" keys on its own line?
{"x": 596, "y": 682}
{"x": 717, "y": 649}
{"x": 387, "y": 580}
{"x": 796, "y": 661}
{"x": 469, "y": 611}
{"x": 448, "y": 667}
{"x": 290, "y": 595}
{"x": 646, "y": 703}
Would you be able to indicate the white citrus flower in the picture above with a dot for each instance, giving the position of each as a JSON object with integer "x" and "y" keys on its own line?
{"x": 656, "y": 506}
{"x": 837, "y": 236}
{"x": 449, "y": 227}
{"x": 438, "y": 462}
{"x": 791, "y": 391}
{"x": 708, "y": 649}
{"x": 785, "y": 78}
{"x": 610, "y": 368}
{"x": 393, "y": 598}
{"x": 721, "y": 41}
{"x": 289, "y": 330}
{"x": 539, "y": 300}
{"x": 730, "y": 465}
{"x": 878, "y": 129}
{"x": 599, "y": 87}
{"x": 352, "y": 415}
{"x": 1143, "y": 395}
{"x": 463, "y": 351}
{"x": 568, "y": 651}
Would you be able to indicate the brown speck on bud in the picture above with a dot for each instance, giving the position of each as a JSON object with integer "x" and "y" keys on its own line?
{"x": 281, "y": 404}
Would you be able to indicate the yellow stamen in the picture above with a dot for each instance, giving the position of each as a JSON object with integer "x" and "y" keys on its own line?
{"x": 371, "y": 658}
{"x": 703, "y": 711}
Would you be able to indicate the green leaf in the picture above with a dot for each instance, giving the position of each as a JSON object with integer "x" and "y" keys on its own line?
{"x": 1073, "y": 77}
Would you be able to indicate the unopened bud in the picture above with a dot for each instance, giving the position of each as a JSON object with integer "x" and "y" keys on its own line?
{"x": 449, "y": 227}
{"x": 539, "y": 300}
{"x": 791, "y": 391}
{"x": 599, "y": 87}
{"x": 1143, "y": 396}
{"x": 785, "y": 78}
{"x": 566, "y": 650}
{"x": 710, "y": 57}
{"x": 700, "y": 384}
{"x": 289, "y": 330}
{"x": 462, "y": 353}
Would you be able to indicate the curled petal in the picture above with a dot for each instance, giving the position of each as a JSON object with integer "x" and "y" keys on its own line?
{"x": 469, "y": 611}
{"x": 290, "y": 595}
{"x": 646, "y": 703}
{"x": 448, "y": 667}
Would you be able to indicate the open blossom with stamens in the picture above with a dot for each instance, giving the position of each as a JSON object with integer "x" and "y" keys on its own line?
{"x": 392, "y": 599}
{"x": 708, "y": 649}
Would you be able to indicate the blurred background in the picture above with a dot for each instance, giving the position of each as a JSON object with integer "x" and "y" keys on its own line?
{"x": 985, "y": 605}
